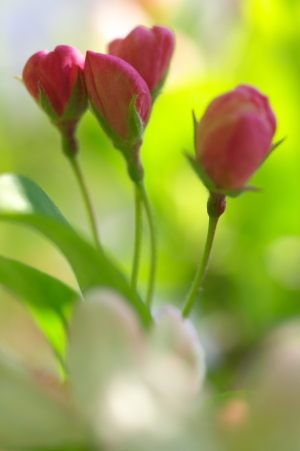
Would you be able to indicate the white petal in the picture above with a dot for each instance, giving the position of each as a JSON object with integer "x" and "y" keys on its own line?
{"x": 178, "y": 360}
{"x": 105, "y": 340}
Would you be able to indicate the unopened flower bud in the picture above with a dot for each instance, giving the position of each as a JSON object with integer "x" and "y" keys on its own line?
{"x": 233, "y": 138}
{"x": 121, "y": 101}
{"x": 55, "y": 81}
{"x": 149, "y": 51}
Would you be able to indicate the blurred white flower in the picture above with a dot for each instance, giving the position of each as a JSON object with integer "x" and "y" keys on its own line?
{"x": 130, "y": 383}
{"x": 127, "y": 388}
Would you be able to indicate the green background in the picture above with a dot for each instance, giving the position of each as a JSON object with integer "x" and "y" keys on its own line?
{"x": 253, "y": 282}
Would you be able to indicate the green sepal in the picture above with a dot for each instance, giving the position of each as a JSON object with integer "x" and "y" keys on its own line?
{"x": 156, "y": 92}
{"x": 238, "y": 192}
{"x": 114, "y": 137}
{"x": 209, "y": 184}
{"x": 195, "y": 123}
{"x": 196, "y": 166}
{"x": 200, "y": 172}
{"x": 46, "y": 106}
{"x": 136, "y": 126}
{"x": 78, "y": 101}
{"x": 76, "y": 105}
{"x": 68, "y": 123}
{"x": 275, "y": 145}
{"x": 206, "y": 180}
{"x": 129, "y": 148}
{"x": 272, "y": 148}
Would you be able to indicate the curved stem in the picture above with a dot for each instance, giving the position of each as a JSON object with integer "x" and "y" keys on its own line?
{"x": 138, "y": 238}
{"x": 153, "y": 244}
{"x": 200, "y": 274}
{"x": 87, "y": 201}
{"x": 216, "y": 205}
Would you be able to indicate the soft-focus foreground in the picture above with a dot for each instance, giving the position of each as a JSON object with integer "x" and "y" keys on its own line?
{"x": 126, "y": 389}
{"x": 97, "y": 356}
{"x": 129, "y": 389}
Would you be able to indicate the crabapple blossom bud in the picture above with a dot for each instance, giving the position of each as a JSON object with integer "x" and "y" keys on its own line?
{"x": 58, "y": 75}
{"x": 121, "y": 101}
{"x": 55, "y": 81}
{"x": 149, "y": 51}
{"x": 233, "y": 138}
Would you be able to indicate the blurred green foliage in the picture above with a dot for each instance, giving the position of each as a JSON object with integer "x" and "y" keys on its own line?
{"x": 253, "y": 282}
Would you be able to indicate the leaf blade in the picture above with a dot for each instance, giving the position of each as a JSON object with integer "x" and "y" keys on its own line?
{"x": 24, "y": 202}
{"x": 49, "y": 299}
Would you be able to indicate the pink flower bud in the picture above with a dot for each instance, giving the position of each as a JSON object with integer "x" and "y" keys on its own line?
{"x": 234, "y": 137}
{"x": 112, "y": 85}
{"x": 121, "y": 101}
{"x": 56, "y": 82}
{"x": 148, "y": 51}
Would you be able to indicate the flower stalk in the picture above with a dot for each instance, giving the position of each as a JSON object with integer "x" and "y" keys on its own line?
{"x": 137, "y": 238}
{"x": 87, "y": 200}
{"x": 153, "y": 243}
{"x": 216, "y": 206}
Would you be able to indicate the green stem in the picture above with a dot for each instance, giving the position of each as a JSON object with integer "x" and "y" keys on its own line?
{"x": 153, "y": 244}
{"x": 216, "y": 206}
{"x": 87, "y": 201}
{"x": 138, "y": 238}
{"x": 70, "y": 149}
{"x": 200, "y": 274}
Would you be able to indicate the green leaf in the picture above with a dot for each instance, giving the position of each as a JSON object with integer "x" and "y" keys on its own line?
{"x": 32, "y": 417}
{"x": 49, "y": 299}
{"x": 24, "y": 202}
